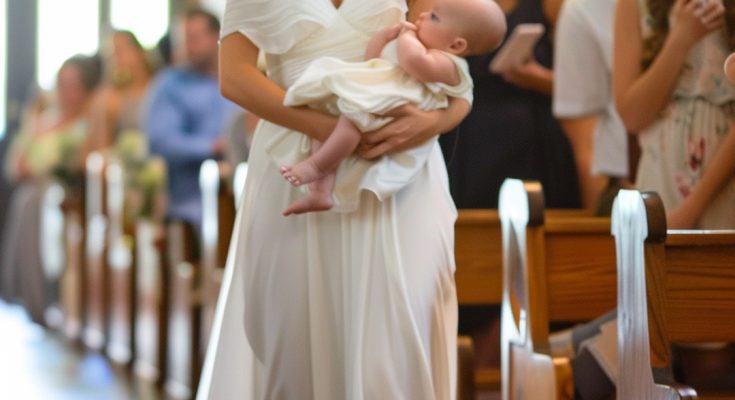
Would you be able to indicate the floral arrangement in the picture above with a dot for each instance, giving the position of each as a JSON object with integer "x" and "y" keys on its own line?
{"x": 144, "y": 176}
{"x": 67, "y": 169}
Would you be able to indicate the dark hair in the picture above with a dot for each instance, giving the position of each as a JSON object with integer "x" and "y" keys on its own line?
{"x": 659, "y": 18}
{"x": 90, "y": 68}
{"x": 164, "y": 48}
{"x": 212, "y": 21}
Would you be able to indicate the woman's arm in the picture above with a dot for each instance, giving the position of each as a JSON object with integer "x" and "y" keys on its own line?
{"x": 641, "y": 95}
{"x": 714, "y": 178}
{"x": 531, "y": 76}
{"x": 244, "y": 84}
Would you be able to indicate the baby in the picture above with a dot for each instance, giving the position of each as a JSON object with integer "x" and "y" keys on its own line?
{"x": 419, "y": 64}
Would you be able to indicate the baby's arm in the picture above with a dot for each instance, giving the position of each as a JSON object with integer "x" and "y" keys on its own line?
{"x": 382, "y": 37}
{"x": 425, "y": 65}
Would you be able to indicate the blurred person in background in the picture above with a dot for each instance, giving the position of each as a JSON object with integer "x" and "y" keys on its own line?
{"x": 583, "y": 100}
{"x": 671, "y": 90}
{"x": 186, "y": 116}
{"x": 48, "y": 147}
{"x": 117, "y": 105}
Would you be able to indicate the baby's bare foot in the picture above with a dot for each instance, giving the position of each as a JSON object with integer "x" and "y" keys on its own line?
{"x": 313, "y": 201}
{"x": 301, "y": 173}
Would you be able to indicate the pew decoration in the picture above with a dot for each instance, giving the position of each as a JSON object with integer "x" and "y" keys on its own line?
{"x": 145, "y": 177}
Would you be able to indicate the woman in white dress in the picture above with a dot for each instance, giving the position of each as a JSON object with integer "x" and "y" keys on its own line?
{"x": 337, "y": 305}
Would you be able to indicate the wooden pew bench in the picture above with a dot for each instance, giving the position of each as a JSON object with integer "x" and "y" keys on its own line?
{"x": 121, "y": 268}
{"x": 95, "y": 276}
{"x": 674, "y": 287}
{"x": 556, "y": 269}
{"x": 218, "y": 217}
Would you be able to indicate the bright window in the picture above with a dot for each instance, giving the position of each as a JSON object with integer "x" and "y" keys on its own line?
{"x": 217, "y": 7}
{"x": 3, "y": 65}
{"x": 147, "y": 19}
{"x": 65, "y": 28}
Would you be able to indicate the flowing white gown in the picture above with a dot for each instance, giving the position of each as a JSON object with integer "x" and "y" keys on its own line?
{"x": 336, "y": 305}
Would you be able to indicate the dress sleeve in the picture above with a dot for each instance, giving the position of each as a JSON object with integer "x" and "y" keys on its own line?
{"x": 275, "y": 25}
{"x": 463, "y": 89}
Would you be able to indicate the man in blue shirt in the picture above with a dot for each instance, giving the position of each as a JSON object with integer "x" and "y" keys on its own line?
{"x": 186, "y": 116}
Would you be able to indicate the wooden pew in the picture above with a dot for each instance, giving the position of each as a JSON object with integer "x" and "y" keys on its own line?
{"x": 478, "y": 254}
{"x": 151, "y": 292}
{"x": 151, "y": 300}
{"x": 674, "y": 287}
{"x": 218, "y": 216}
{"x": 61, "y": 237}
{"x": 121, "y": 268}
{"x": 556, "y": 269}
{"x": 184, "y": 355}
{"x": 95, "y": 268}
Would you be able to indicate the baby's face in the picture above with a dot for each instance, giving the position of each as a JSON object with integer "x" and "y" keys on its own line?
{"x": 437, "y": 28}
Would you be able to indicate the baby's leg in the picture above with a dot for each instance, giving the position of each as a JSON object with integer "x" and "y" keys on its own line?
{"x": 319, "y": 197}
{"x": 340, "y": 144}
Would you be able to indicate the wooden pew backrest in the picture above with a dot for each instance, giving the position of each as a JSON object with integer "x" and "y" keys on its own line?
{"x": 520, "y": 206}
{"x": 674, "y": 286}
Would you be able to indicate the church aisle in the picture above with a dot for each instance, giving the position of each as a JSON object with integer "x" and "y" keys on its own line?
{"x": 38, "y": 364}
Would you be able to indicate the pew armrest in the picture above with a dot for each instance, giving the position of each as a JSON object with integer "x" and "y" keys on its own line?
{"x": 564, "y": 378}
{"x": 465, "y": 369}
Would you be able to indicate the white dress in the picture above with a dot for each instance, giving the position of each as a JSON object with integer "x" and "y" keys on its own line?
{"x": 337, "y": 305}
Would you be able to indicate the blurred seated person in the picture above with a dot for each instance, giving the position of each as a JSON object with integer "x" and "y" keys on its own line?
{"x": 117, "y": 104}
{"x": 47, "y": 148}
{"x": 186, "y": 116}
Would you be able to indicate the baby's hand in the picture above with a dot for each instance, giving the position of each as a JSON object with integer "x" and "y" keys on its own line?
{"x": 399, "y": 28}
{"x": 407, "y": 26}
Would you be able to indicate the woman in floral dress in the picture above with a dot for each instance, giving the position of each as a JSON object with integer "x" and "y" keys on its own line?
{"x": 670, "y": 88}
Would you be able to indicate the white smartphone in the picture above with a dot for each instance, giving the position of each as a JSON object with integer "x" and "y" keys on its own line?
{"x": 517, "y": 49}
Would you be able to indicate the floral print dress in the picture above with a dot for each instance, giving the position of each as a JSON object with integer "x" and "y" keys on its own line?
{"x": 677, "y": 148}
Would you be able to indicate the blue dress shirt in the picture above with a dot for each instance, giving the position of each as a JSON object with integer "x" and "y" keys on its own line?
{"x": 185, "y": 115}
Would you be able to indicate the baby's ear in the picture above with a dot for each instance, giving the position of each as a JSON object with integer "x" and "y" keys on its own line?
{"x": 730, "y": 68}
{"x": 458, "y": 46}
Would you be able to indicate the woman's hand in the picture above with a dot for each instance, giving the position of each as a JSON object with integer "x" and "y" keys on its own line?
{"x": 531, "y": 76}
{"x": 691, "y": 20}
{"x": 411, "y": 126}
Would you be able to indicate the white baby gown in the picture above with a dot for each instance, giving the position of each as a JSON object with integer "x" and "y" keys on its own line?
{"x": 336, "y": 305}
{"x": 362, "y": 91}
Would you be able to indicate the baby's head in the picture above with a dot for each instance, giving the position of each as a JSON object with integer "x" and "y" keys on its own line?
{"x": 462, "y": 27}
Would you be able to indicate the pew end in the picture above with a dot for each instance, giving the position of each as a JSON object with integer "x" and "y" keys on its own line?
{"x": 674, "y": 287}
{"x": 558, "y": 266}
